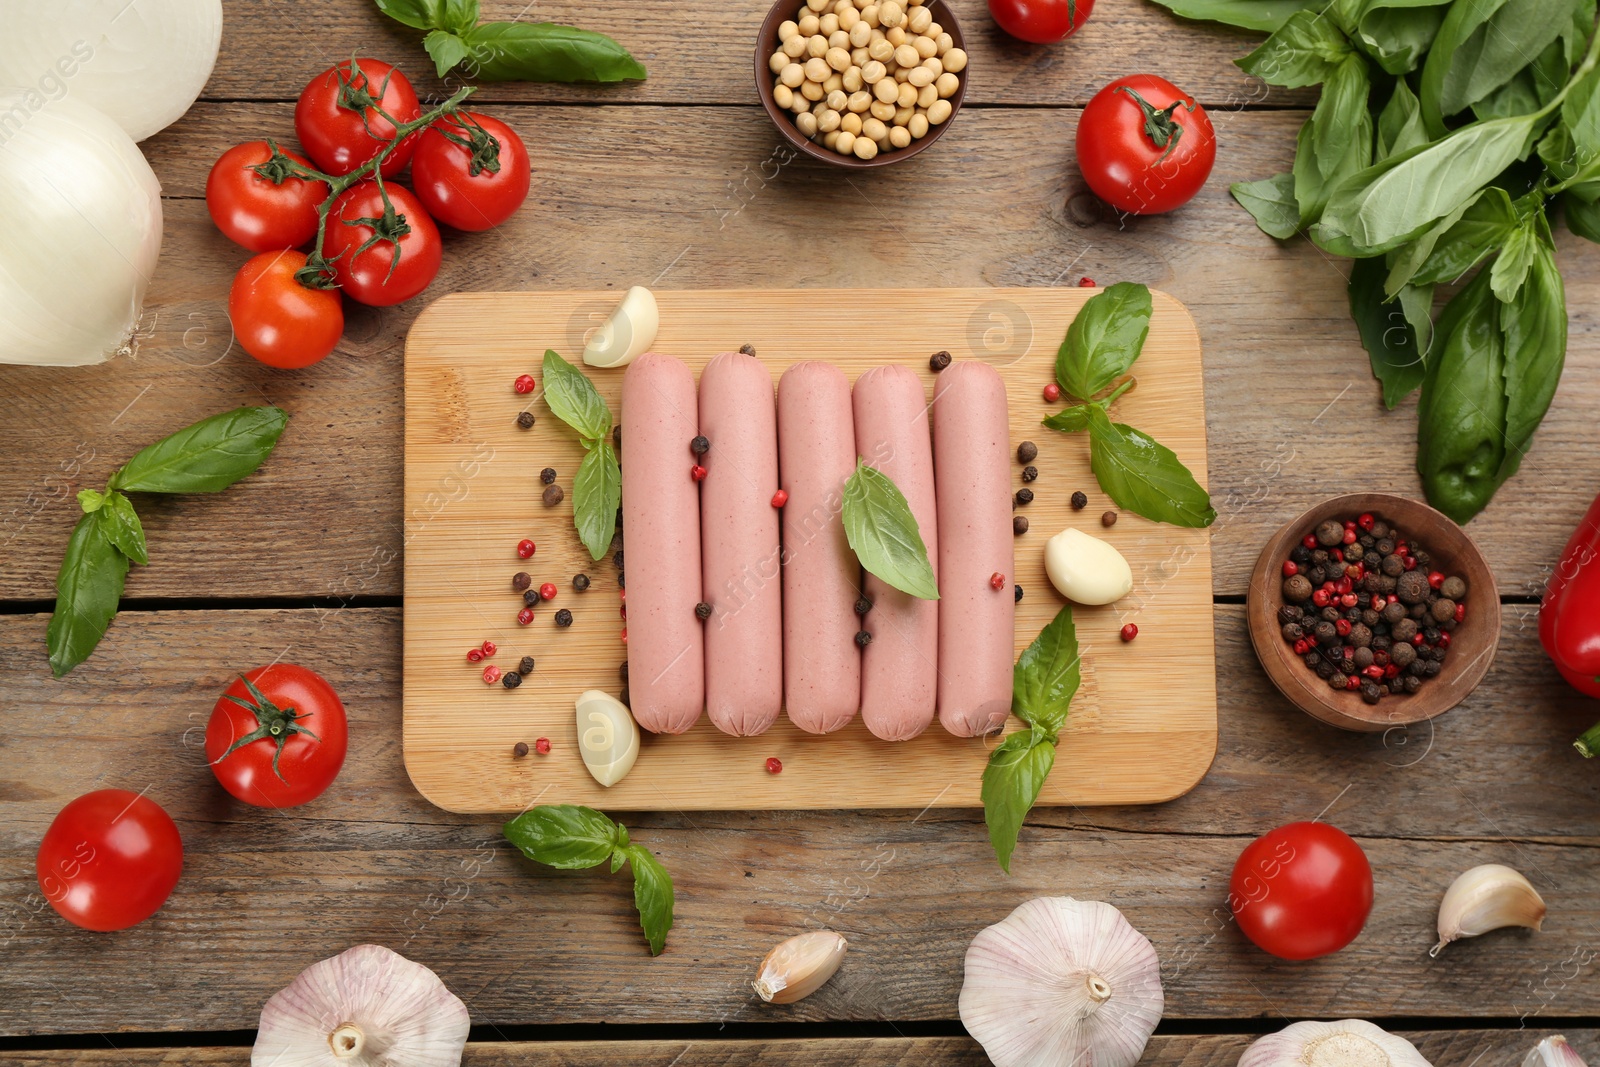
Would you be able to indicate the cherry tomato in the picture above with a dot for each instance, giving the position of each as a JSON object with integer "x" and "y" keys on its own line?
{"x": 277, "y": 736}
{"x": 470, "y": 171}
{"x": 328, "y": 118}
{"x": 373, "y": 275}
{"x": 254, "y": 211}
{"x": 278, "y": 320}
{"x": 1144, "y": 146}
{"x": 1041, "y": 21}
{"x": 1302, "y": 891}
{"x": 109, "y": 860}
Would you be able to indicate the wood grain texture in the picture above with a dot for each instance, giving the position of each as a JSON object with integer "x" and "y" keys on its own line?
{"x": 621, "y": 195}
{"x": 1444, "y": 1047}
{"x": 465, "y": 452}
{"x": 371, "y": 860}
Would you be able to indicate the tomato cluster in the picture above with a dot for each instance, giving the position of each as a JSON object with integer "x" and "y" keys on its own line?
{"x": 380, "y": 244}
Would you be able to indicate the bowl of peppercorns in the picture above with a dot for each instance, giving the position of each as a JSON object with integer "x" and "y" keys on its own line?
{"x": 1372, "y": 611}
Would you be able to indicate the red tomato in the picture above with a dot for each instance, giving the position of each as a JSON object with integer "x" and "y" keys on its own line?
{"x": 1144, "y": 146}
{"x": 328, "y": 118}
{"x": 1041, "y": 21}
{"x": 372, "y": 274}
{"x": 1302, "y": 891}
{"x": 278, "y": 320}
{"x": 109, "y": 860}
{"x": 277, "y": 737}
{"x": 256, "y": 212}
{"x": 470, "y": 171}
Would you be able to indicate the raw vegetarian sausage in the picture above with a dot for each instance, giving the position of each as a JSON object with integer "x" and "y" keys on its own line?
{"x": 739, "y": 553}
{"x": 821, "y": 578}
{"x": 661, "y": 514}
{"x": 899, "y": 668}
{"x": 972, "y": 481}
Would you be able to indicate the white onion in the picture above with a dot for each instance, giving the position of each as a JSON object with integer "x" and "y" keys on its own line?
{"x": 142, "y": 62}
{"x": 81, "y": 216}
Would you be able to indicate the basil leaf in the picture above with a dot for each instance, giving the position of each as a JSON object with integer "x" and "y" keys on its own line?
{"x": 1416, "y": 302}
{"x": 1069, "y": 420}
{"x": 1305, "y": 50}
{"x": 546, "y": 52}
{"x": 567, "y": 836}
{"x": 445, "y": 49}
{"x": 1462, "y": 239}
{"x": 884, "y": 534}
{"x": 1011, "y": 783}
{"x": 652, "y": 896}
{"x": 1104, "y": 339}
{"x": 1511, "y": 266}
{"x": 1400, "y": 125}
{"x": 123, "y": 528}
{"x": 596, "y": 495}
{"x": 1529, "y": 89}
{"x": 1336, "y": 142}
{"x": 206, "y": 457}
{"x": 1264, "y": 16}
{"x": 573, "y": 399}
{"x": 1480, "y": 46}
{"x": 1047, "y": 675}
{"x": 1397, "y": 34}
{"x": 1535, "y": 329}
{"x": 1271, "y": 201}
{"x": 1461, "y": 418}
{"x": 1583, "y": 218}
{"x": 88, "y": 588}
{"x": 1388, "y": 337}
{"x": 1580, "y": 115}
{"x": 418, "y": 14}
{"x": 1144, "y": 476}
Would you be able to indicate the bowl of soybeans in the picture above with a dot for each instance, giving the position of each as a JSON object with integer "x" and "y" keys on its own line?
{"x": 861, "y": 83}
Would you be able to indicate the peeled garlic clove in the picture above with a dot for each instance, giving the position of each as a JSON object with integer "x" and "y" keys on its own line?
{"x": 1343, "y": 1043}
{"x": 1062, "y": 983}
{"x": 799, "y": 967}
{"x": 1487, "y": 898}
{"x": 1553, "y": 1052}
{"x": 608, "y": 738}
{"x": 1086, "y": 569}
{"x": 628, "y": 332}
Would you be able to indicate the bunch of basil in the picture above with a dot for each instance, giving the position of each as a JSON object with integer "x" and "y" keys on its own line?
{"x": 1444, "y": 135}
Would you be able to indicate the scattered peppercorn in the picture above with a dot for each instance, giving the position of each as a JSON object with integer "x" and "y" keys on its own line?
{"x": 748, "y": 349}
{"x": 553, "y": 495}
{"x": 530, "y": 598}
{"x": 1027, "y": 452}
{"x": 524, "y": 384}
{"x": 525, "y": 666}
{"x": 548, "y": 476}
{"x": 616, "y": 559}
{"x": 1129, "y": 632}
{"x": 488, "y": 648}
{"x": 863, "y": 639}
{"x": 1030, "y": 473}
{"x": 1080, "y": 500}
{"x": 1016, "y": 594}
{"x": 1019, "y": 525}
{"x": 700, "y": 445}
{"x": 702, "y": 611}
{"x": 622, "y": 579}
{"x": 780, "y": 498}
{"x": 525, "y": 419}
{"x": 863, "y": 605}
{"x": 491, "y": 674}
{"x": 698, "y": 473}
{"x": 1052, "y": 392}
{"x": 1108, "y": 519}
{"x": 521, "y": 580}
{"x": 1024, "y": 496}
{"x": 525, "y": 616}
{"x": 580, "y": 583}
{"x": 939, "y": 361}
{"x": 997, "y": 580}
{"x": 774, "y": 765}
{"x": 563, "y": 617}
{"x": 548, "y": 591}
{"x": 511, "y": 680}
{"x": 622, "y": 671}
{"x": 520, "y": 749}
{"x": 526, "y": 549}
{"x": 1086, "y": 282}
{"x": 542, "y": 746}
{"x": 474, "y": 655}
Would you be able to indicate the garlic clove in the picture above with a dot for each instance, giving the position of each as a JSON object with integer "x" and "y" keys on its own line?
{"x": 799, "y": 967}
{"x": 608, "y": 737}
{"x": 1553, "y": 1052}
{"x": 627, "y": 333}
{"x": 1062, "y": 983}
{"x": 1486, "y": 898}
{"x": 1086, "y": 569}
{"x": 1341, "y": 1043}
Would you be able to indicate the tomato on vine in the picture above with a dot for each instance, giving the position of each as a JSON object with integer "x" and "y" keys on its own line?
{"x": 1040, "y": 21}
{"x": 254, "y": 210}
{"x": 277, "y": 319}
{"x": 381, "y": 252}
{"x": 471, "y": 171}
{"x": 278, "y": 736}
{"x": 109, "y": 860}
{"x": 348, "y": 112}
{"x": 1144, "y": 146}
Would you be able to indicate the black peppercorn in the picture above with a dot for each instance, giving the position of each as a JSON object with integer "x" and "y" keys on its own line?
{"x": 1403, "y": 630}
{"x": 1338, "y": 681}
{"x": 1293, "y": 631}
{"x": 1312, "y": 659}
{"x": 1296, "y": 587}
{"x": 553, "y": 495}
{"x": 1354, "y": 552}
{"x": 863, "y": 605}
{"x": 616, "y": 436}
{"x": 1108, "y": 519}
{"x": 521, "y": 580}
{"x": 1317, "y": 575}
{"x": 580, "y": 582}
{"x": 1024, "y": 496}
{"x": 1424, "y": 559}
{"x": 1370, "y": 618}
{"x": 1017, "y": 591}
{"x": 511, "y": 679}
{"x": 1418, "y": 611}
{"x": 1300, "y": 554}
{"x": 1412, "y": 683}
{"x": 1320, "y": 556}
{"x": 939, "y": 361}
{"x": 748, "y": 349}
{"x": 616, "y": 559}
{"x": 1080, "y": 500}
{"x": 1330, "y": 533}
{"x": 1384, "y": 546}
{"x": 1030, "y": 473}
{"x": 525, "y": 419}
{"x": 1362, "y": 658}
{"x": 519, "y": 749}
{"x": 622, "y": 671}
{"x": 1431, "y": 670}
{"x": 1394, "y": 612}
{"x": 1453, "y": 588}
{"x": 1443, "y": 610}
{"x": 1019, "y": 525}
{"x": 623, "y": 696}
{"x": 1403, "y": 655}
{"x": 1289, "y": 613}
{"x": 1027, "y": 452}
{"x": 1371, "y": 692}
{"x": 1360, "y": 636}
{"x": 526, "y": 666}
{"x": 1381, "y": 644}
{"x": 1380, "y": 529}
{"x": 564, "y": 617}
{"x": 1326, "y": 633}
{"x": 863, "y": 639}
{"x": 1430, "y": 636}
{"x": 531, "y": 598}
{"x": 548, "y": 476}
{"x": 702, "y": 611}
{"x": 700, "y": 445}
{"x": 1325, "y": 670}
{"x": 622, "y": 579}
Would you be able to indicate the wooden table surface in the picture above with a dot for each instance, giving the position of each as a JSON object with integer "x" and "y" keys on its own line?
{"x": 681, "y": 182}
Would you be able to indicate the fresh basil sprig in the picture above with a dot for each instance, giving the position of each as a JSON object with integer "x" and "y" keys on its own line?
{"x": 597, "y": 489}
{"x": 1139, "y": 473}
{"x": 884, "y": 533}
{"x": 204, "y": 458}
{"x": 511, "y": 51}
{"x": 1042, "y": 686}
{"x": 572, "y": 837}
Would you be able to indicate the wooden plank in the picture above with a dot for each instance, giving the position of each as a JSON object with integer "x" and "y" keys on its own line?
{"x": 1210, "y": 1050}
{"x": 623, "y": 196}
{"x": 266, "y": 893}
{"x": 703, "y": 52}
{"x": 462, "y": 443}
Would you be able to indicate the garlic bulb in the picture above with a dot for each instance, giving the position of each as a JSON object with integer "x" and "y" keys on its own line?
{"x": 627, "y": 333}
{"x": 141, "y": 62}
{"x": 1553, "y": 1052}
{"x": 366, "y": 1007}
{"x": 799, "y": 967}
{"x": 1486, "y": 898}
{"x": 1344, "y": 1043}
{"x": 1062, "y": 983}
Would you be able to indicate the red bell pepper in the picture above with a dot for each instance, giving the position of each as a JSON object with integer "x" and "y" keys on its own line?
{"x": 1569, "y": 616}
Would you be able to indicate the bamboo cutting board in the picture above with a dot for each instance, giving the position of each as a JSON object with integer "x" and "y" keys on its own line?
{"x": 1143, "y": 726}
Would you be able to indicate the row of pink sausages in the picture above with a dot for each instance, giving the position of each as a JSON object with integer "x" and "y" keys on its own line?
{"x": 783, "y": 582}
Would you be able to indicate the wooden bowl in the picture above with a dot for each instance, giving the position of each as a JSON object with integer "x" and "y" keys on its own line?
{"x": 767, "y": 43}
{"x": 1473, "y": 642}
